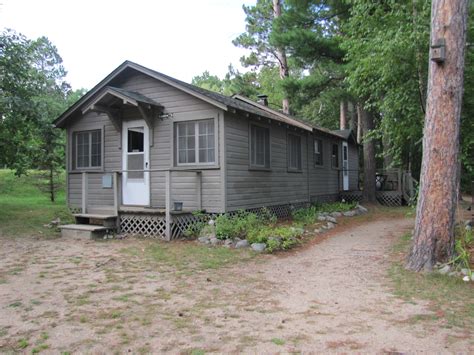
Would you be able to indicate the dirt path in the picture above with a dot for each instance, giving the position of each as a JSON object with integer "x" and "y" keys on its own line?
{"x": 83, "y": 296}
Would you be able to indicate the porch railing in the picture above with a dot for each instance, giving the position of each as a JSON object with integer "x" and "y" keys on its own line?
{"x": 117, "y": 198}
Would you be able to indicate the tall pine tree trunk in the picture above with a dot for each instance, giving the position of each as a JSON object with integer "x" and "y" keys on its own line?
{"x": 281, "y": 55}
{"x": 343, "y": 115}
{"x": 366, "y": 123}
{"x": 439, "y": 181}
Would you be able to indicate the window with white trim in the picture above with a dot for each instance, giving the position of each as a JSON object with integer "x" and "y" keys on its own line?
{"x": 195, "y": 142}
{"x": 318, "y": 152}
{"x": 88, "y": 149}
{"x": 294, "y": 152}
{"x": 259, "y": 147}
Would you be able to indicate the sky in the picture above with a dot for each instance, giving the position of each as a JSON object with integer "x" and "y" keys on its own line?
{"x": 180, "y": 38}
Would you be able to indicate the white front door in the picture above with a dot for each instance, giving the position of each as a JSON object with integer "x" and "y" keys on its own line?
{"x": 345, "y": 166}
{"x": 135, "y": 146}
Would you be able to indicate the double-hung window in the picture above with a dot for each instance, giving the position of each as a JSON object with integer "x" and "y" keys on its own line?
{"x": 195, "y": 142}
{"x": 259, "y": 147}
{"x": 88, "y": 148}
{"x": 294, "y": 152}
{"x": 335, "y": 156}
{"x": 318, "y": 152}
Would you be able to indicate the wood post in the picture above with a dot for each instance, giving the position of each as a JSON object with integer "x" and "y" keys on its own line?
{"x": 84, "y": 192}
{"x": 116, "y": 195}
{"x": 168, "y": 205}
{"x": 199, "y": 190}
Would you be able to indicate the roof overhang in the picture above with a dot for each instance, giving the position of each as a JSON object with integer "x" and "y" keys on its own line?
{"x": 62, "y": 120}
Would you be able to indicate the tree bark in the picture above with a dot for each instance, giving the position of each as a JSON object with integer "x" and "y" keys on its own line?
{"x": 343, "y": 115}
{"x": 281, "y": 56}
{"x": 359, "y": 124}
{"x": 433, "y": 239}
{"x": 353, "y": 116}
{"x": 367, "y": 123}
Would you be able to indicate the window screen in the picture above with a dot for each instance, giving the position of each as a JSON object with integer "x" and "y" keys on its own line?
{"x": 318, "y": 152}
{"x": 335, "y": 156}
{"x": 195, "y": 142}
{"x": 259, "y": 146}
{"x": 88, "y": 147}
{"x": 294, "y": 152}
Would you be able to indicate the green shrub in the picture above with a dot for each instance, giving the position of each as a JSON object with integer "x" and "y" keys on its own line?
{"x": 276, "y": 238}
{"x": 236, "y": 226}
{"x": 310, "y": 214}
{"x": 194, "y": 230}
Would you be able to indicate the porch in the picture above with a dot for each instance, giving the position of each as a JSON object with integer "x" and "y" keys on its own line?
{"x": 101, "y": 201}
{"x": 393, "y": 187}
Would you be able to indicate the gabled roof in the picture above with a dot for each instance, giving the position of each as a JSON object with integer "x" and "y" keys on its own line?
{"x": 347, "y": 134}
{"x": 223, "y": 102}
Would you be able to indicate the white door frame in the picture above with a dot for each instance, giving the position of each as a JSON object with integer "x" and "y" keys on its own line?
{"x": 135, "y": 192}
{"x": 345, "y": 166}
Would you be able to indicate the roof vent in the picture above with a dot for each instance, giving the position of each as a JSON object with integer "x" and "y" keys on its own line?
{"x": 262, "y": 99}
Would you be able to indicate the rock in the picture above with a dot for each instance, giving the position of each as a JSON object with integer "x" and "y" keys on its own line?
{"x": 228, "y": 242}
{"x": 297, "y": 230}
{"x": 362, "y": 209}
{"x": 55, "y": 222}
{"x": 242, "y": 244}
{"x": 336, "y": 214}
{"x": 349, "y": 213}
{"x": 321, "y": 218}
{"x": 317, "y": 230}
{"x": 203, "y": 239}
{"x": 444, "y": 270}
{"x": 330, "y": 225}
{"x": 324, "y": 214}
{"x": 466, "y": 278}
{"x": 465, "y": 272}
{"x": 331, "y": 219}
{"x": 468, "y": 227}
{"x": 211, "y": 222}
{"x": 214, "y": 241}
{"x": 259, "y": 247}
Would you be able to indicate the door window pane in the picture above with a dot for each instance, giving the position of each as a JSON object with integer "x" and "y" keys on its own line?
{"x": 135, "y": 139}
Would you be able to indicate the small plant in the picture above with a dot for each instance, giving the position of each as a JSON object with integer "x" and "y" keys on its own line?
{"x": 276, "y": 238}
{"x": 236, "y": 226}
{"x": 278, "y": 341}
{"x": 23, "y": 343}
{"x": 463, "y": 244}
{"x": 195, "y": 229}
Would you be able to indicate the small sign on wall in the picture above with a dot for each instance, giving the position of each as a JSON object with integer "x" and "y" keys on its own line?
{"x": 107, "y": 181}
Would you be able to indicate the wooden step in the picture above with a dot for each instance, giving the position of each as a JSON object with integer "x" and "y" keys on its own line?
{"x": 95, "y": 215}
{"x": 83, "y": 231}
{"x": 106, "y": 220}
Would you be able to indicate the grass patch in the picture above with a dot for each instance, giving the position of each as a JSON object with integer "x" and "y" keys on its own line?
{"x": 278, "y": 341}
{"x": 450, "y": 298}
{"x": 25, "y": 209}
{"x": 185, "y": 256}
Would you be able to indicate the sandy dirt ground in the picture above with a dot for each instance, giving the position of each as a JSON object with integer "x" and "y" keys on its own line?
{"x": 81, "y": 296}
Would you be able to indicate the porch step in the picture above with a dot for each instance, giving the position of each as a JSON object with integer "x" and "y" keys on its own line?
{"x": 105, "y": 220}
{"x": 83, "y": 231}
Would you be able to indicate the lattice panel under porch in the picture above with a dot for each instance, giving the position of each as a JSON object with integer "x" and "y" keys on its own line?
{"x": 389, "y": 198}
{"x": 146, "y": 225}
{"x": 351, "y": 196}
{"x": 182, "y": 222}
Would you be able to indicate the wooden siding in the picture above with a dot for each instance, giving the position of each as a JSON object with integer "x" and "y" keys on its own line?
{"x": 184, "y": 183}
{"x": 247, "y": 188}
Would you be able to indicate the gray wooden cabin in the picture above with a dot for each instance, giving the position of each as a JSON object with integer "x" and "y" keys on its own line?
{"x": 140, "y": 144}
